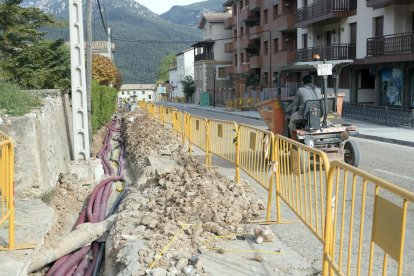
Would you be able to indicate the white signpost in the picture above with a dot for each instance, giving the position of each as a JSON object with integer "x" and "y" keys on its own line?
{"x": 324, "y": 69}
{"x": 80, "y": 130}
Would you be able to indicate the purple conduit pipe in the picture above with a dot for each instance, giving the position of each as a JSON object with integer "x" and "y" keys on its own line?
{"x": 77, "y": 263}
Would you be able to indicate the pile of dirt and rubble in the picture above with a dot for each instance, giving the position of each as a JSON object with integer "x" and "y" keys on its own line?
{"x": 176, "y": 206}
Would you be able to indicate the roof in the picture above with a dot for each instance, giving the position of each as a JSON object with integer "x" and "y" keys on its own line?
{"x": 217, "y": 17}
{"x": 204, "y": 42}
{"x": 229, "y": 3}
{"x": 185, "y": 51}
{"x": 138, "y": 86}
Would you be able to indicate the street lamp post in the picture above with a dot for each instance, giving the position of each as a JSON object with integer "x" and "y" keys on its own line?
{"x": 214, "y": 87}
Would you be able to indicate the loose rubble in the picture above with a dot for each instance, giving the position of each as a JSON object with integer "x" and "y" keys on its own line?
{"x": 175, "y": 198}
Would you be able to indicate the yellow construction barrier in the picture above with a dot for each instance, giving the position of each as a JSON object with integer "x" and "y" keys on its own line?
{"x": 186, "y": 133}
{"x": 223, "y": 141}
{"x": 354, "y": 229}
{"x": 177, "y": 121}
{"x": 7, "y": 187}
{"x": 199, "y": 134}
{"x": 301, "y": 175}
{"x": 255, "y": 153}
{"x": 242, "y": 103}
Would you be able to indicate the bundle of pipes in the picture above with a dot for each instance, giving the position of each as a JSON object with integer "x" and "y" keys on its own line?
{"x": 86, "y": 260}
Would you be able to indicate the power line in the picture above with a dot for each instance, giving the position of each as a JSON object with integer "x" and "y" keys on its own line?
{"x": 183, "y": 41}
{"x": 102, "y": 18}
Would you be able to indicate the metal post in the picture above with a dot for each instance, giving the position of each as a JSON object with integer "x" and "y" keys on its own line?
{"x": 89, "y": 67}
{"x": 81, "y": 148}
{"x": 214, "y": 87}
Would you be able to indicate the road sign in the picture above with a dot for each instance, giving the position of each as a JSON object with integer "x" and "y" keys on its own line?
{"x": 324, "y": 69}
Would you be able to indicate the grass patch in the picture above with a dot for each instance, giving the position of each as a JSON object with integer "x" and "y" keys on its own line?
{"x": 15, "y": 102}
{"x": 47, "y": 196}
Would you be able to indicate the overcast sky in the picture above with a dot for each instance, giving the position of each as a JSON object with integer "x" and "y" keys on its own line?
{"x": 159, "y": 6}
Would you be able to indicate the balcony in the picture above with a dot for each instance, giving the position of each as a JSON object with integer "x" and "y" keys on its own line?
{"x": 228, "y": 23}
{"x": 256, "y": 62}
{"x": 229, "y": 47}
{"x": 328, "y": 52}
{"x": 244, "y": 14}
{"x": 284, "y": 57}
{"x": 244, "y": 67}
{"x": 245, "y": 42}
{"x": 325, "y": 12}
{"x": 255, "y": 4}
{"x": 376, "y": 4}
{"x": 397, "y": 47}
{"x": 286, "y": 22}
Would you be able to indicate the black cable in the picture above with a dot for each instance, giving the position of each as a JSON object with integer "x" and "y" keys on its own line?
{"x": 102, "y": 18}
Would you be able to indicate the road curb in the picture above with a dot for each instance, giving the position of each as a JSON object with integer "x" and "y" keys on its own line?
{"x": 386, "y": 140}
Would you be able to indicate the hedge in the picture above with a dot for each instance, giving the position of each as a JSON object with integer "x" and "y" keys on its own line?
{"x": 104, "y": 100}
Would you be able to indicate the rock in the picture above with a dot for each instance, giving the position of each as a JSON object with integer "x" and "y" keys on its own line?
{"x": 181, "y": 264}
{"x": 1, "y": 121}
{"x": 131, "y": 119}
{"x": 265, "y": 233}
{"x": 162, "y": 165}
{"x": 193, "y": 260}
{"x": 259, "y": 240}
{"x": 188, "y": 270}
{"x": 183, "y": 254}
{"x": 258, "y": 258}
{"x": 159, "y": 272}
{"x": 165, "y": 152}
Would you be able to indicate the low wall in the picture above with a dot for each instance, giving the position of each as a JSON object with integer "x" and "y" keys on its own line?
{"x": 41, "y": 141}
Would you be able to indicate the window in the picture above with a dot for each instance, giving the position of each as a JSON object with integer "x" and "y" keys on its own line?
{"x": 275, "y": 11}
{"x": 266, "y": 47}
{"x": 241, "y": 31}
{"x": 275, "y": 45}
{"x": 235, "y": 34}
{"x": 211, "y": 28}
{"x": 242, "y": 57}
{"x": 222, "y": 73}
{"x": 265, "y": 17}
{"x": 344, "y": 78}
{"x": 379, "y": 26}
{"x": 304, "y": 41}
{"x": 149, "y": 97}
{"x": 266, "y": 77}
{"x": 235, "y": 59}
{"x": 143, "y": 92}
{"x": 123, "y": 92}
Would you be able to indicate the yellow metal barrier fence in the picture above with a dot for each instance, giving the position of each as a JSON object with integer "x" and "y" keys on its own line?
{"x": 366, "y": 212}
{"x": 7, "y": 186}
{"x": 223, "y": 142}
{"x": 167, "y": 115}
{"x": 301, "y": 176}
{"x": 177, "y": 121}
{"x": 255, "y": 153}
{"x": 199, "y": 134}
{"x": 242, "y": 103}
{"x": 187, "y": 119}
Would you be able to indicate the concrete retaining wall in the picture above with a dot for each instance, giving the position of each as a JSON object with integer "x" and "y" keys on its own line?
{"x": 41, "y": 142}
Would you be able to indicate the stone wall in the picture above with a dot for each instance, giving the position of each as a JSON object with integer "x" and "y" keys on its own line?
{"x": 41, "y": 141}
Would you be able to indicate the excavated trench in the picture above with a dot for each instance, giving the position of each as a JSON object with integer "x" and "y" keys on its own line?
{"x": 170, "y": 211}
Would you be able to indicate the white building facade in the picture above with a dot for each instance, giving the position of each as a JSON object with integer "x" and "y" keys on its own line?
{"x": 211, "y": 60}
{"x": 185, "y": 67}
{"x": 136, "y": 92}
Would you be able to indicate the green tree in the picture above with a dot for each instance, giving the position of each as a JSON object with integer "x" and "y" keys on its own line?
{"x": 188, "y": 87}
{"x": 44, "y": 65}
{"x": 25, "y": 58}
{"x": 166, "y": 64}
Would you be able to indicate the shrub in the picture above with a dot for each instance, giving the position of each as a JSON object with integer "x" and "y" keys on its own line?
{"x": 104, "y": 99}
{"x": 17, "y": 102}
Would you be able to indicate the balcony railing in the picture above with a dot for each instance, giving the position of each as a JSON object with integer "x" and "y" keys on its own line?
{"x": 391, "y": 44}
{"x": 376, "y": 4}
{"x": 328, "y": 52}
{"x": 325, "y": 9}
{"x": 255, "y": 4}
{"x": 204, "y": 56}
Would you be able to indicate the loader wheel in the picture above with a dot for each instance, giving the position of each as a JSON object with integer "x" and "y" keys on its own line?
{"x": 352, "y": 155}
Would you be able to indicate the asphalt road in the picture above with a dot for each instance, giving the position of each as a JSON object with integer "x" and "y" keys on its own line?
{"x": 391, "y": 162}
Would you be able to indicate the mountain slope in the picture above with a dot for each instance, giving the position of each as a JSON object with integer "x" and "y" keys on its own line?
{"x": 134, "y": 30}
{"x": 190, "y": 15}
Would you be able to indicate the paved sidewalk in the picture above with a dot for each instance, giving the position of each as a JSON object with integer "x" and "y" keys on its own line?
{"x": 367, "y": 130}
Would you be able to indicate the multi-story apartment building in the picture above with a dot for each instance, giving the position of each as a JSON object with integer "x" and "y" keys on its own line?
{"x": 210, "y": 59}
{"x": 376, "y": 34}
{"x": 264, "y": 38}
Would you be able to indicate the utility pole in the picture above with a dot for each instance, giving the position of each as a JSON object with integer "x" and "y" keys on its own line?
{"x": 80, "y": 129}
{"x": 89, "y": 68}
{"x": 214, "y": 87}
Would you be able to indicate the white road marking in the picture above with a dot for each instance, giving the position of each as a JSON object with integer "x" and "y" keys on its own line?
{"x": 395, "y": 174}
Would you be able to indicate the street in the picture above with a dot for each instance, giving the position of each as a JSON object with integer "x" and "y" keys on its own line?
{"x": 388, "y": 161}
